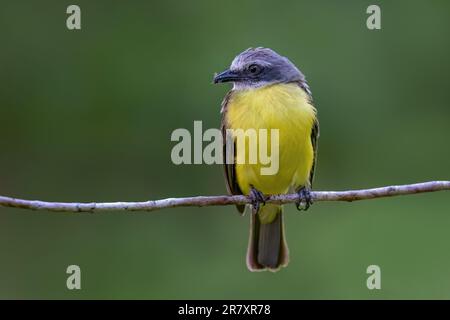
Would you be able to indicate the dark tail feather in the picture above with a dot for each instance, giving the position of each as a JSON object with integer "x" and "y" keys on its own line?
{"x": 267, "y": 247}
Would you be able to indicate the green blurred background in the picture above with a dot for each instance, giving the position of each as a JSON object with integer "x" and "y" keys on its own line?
{"x": 87, "y": 116}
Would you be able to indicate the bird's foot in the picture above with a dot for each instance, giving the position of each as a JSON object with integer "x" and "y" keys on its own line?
{"x": 257, "y": 198}
{"x": 305, "y": 199}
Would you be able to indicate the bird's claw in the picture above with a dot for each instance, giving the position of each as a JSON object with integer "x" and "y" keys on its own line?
{"x": 256, "y": 198}
{"x": 305, "y": 199}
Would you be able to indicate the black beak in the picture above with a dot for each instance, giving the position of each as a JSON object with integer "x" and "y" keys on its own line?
{"x": 226, "y": 76}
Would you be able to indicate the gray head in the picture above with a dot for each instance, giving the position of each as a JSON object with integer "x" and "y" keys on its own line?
{"x": 257, "y": 67}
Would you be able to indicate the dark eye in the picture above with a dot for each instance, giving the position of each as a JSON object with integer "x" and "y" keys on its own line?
{"x": 254, "y": 69}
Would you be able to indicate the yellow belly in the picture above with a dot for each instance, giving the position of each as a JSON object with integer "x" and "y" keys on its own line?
{"x": 284, "y": 107}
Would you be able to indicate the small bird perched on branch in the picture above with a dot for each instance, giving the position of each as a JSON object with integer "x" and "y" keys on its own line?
{"x": 269, "y": 92}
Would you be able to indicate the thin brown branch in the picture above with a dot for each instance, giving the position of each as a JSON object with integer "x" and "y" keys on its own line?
{"x": 204, "y": 201}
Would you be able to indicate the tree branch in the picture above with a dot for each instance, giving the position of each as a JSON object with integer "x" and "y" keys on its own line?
{"x": 204, "y": 201}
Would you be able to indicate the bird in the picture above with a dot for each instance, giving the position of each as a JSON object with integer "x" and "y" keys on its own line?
{"x": 269, "y": 92}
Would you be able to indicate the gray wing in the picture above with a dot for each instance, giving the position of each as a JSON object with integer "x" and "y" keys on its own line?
{"x": 315, "y": 133}
{"x": 229, "y": 169}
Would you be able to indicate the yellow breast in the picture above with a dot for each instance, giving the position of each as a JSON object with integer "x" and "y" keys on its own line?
{"x": 285, "y": 107}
